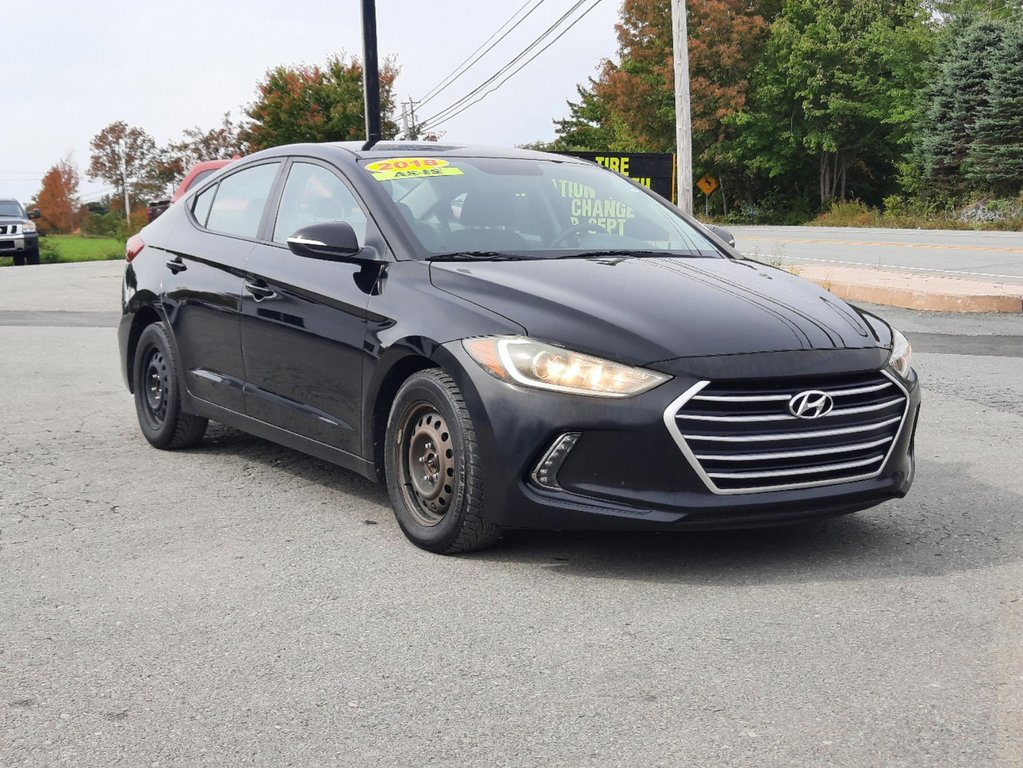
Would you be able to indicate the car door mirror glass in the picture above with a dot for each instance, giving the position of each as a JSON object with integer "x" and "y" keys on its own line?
{"x": 35, "y": 213}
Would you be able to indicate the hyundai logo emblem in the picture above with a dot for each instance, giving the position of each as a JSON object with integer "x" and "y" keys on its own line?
{"x": 811, "y": 404}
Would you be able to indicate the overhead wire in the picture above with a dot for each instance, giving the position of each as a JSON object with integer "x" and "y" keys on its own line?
{"x": 466, "y": 64}
{"x": 459, "y": 106}
{"x": 444, "y": 113}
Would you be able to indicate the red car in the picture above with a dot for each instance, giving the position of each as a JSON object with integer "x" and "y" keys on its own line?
{"x": 198, "y": 172}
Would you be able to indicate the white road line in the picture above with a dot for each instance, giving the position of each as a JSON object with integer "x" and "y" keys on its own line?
{"x": 876, "y": 265}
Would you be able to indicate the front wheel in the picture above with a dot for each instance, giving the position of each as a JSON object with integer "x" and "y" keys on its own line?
{"x": 432, "y": 467}
{"x": 158, "y": 394}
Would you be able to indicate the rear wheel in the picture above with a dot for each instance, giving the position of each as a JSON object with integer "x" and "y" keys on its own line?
{"x": 158, "y": 394}
{"x": 432, "y": 467}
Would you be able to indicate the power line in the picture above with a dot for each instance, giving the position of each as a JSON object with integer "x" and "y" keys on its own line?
{"x": 445, "y": 113}
{"x": 460, "y": 106}
{"x": 466, "y": 64}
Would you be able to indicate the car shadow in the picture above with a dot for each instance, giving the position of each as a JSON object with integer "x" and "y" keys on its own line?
{"x": 938, "y": 529}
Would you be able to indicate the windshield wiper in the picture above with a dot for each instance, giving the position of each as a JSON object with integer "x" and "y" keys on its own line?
{"x": 618, "y": 252}
{"x": 476, "y": 256}
{"x": 631, "y": 252}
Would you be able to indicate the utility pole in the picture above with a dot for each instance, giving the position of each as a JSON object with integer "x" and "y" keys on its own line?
{"x": 683, "y": 118}
{"x": 370, "y": 72}
{"x": 124, "y": 183}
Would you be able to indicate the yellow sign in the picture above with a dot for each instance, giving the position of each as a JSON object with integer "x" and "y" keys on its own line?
{"x": 707, "y": 185}
{"x": 408, "y": 167}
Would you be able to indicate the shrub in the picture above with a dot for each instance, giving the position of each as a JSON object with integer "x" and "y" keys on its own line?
{"x": 848, "y": 213}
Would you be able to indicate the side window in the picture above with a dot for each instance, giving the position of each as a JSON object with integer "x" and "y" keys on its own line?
{"x": 239, "y": 201}
{"x": 313, "y": 195}
{"x": 201, "y": 206}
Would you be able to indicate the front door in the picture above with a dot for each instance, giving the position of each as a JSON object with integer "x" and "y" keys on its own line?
{"x": 303, "y": 320}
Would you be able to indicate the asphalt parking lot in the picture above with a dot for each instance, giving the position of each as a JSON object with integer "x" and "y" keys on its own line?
{"x": 242, "y": 604}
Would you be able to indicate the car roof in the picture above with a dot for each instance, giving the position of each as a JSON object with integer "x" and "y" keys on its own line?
{"x": 393, "y": 148}
{"x": 353, "y": 150}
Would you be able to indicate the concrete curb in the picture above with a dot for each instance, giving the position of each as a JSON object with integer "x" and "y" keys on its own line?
{"x": 914, "y": 291}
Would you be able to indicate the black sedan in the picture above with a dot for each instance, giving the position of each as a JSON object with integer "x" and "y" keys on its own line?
{"x": 509, "y": 339}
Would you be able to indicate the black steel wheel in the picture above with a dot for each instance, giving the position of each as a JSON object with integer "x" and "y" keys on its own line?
{"x": 157, "y": 394}
{"x": 431, "y": 463}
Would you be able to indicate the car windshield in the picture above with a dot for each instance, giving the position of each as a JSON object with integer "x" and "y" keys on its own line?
{"x": 531, "y": 208}
{"x": 11, "y": 208}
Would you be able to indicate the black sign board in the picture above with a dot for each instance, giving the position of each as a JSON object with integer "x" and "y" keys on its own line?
{"x": 655, "y": 170}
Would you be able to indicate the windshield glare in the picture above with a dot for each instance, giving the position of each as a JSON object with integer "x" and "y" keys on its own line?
{"x": 536, "y": 208}
{"x": 11, "y": 208}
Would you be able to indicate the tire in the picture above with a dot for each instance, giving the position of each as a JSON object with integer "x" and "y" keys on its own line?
{"x": 32, "y": 256}
{"x": 158, "y": 394}
{"x": 19, "y": 258}
{"x": 431, "y": 461}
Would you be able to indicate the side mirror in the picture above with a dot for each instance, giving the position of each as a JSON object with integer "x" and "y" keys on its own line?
{"x": 723, "y": 233}
{"x": 331, "y": 241}
{"x": 35, "y": 213}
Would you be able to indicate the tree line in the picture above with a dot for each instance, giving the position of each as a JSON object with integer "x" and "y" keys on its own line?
{"x": 796, "y": 105}
{"x": 293, "y": 104}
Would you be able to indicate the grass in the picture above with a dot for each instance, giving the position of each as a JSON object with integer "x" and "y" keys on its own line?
{"x": 68, "y": 248}
{"x": 63, "y": 249}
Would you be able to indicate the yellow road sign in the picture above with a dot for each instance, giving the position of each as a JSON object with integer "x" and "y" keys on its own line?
{"x": 707, "y": 185}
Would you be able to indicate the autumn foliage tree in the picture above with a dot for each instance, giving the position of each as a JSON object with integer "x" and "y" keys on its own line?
{"x": 197, "y": 145}
{"x": 58, "y": 199}
{"x": 633, "y": 100}
{"x": 312, "y": 103}
{"x": 125, "y": 158}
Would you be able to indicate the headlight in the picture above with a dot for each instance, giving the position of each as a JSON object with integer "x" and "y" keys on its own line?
{"x": 545, "y": 366}
{"x": 29, "y": 226}
{"x": 902, "y": 354}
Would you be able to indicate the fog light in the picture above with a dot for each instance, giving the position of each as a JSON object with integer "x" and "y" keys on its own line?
{"x": 546, "y": 472}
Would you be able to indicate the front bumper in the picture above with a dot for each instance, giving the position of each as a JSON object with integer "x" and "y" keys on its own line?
{"x": 625, "y": 470}
{"x": 19, "y": 243}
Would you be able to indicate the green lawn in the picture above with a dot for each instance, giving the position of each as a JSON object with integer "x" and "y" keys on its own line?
{"x": 58, "y": 249}
{"x": 66, "y": 248}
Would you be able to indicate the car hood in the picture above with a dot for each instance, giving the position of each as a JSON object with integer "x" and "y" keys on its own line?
{"x": 12, "y": 220}
{"x": 649, "y": 309}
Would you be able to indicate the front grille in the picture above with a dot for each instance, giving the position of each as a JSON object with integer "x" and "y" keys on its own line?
{"x": 8, "y": 229}
{"x": 741, "y": 437}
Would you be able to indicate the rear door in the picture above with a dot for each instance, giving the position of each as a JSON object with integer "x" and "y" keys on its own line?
{"x": 204, "y": 281}
{"x": 303, "y": 320}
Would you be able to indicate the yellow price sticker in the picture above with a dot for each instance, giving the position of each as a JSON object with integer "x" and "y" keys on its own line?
{"x": 410, "y": 167}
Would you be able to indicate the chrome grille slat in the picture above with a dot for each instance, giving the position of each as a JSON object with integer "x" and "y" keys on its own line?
{"x": 787, "y": 397}
{"x": 789, "y": 417}
{"x": 795, "y": 435}
{"x": 793, "y": 454}
{"x": 802, "y": 471}
{"x": 741, "y": 437}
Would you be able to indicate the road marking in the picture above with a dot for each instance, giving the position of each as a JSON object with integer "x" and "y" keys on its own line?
{"x": 894, "y": 245}
{"x": 875, "y": 266}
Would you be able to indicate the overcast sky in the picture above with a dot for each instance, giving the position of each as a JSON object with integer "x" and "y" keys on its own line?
{"x": 78, "y": 66}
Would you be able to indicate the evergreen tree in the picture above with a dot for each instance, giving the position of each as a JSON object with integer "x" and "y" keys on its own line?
{"x": 955, "y": 100}
{"x": 995, "y": 158}
{"x": 589, "y": 125}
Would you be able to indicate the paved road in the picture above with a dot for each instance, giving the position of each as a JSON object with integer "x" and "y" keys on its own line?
{"x": 996, "y": 256}
{"x": 242, "y": 604}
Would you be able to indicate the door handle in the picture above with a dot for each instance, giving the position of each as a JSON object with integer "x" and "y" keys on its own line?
{"x": 260, "y": 290}
{"x": 176, "y": 265}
